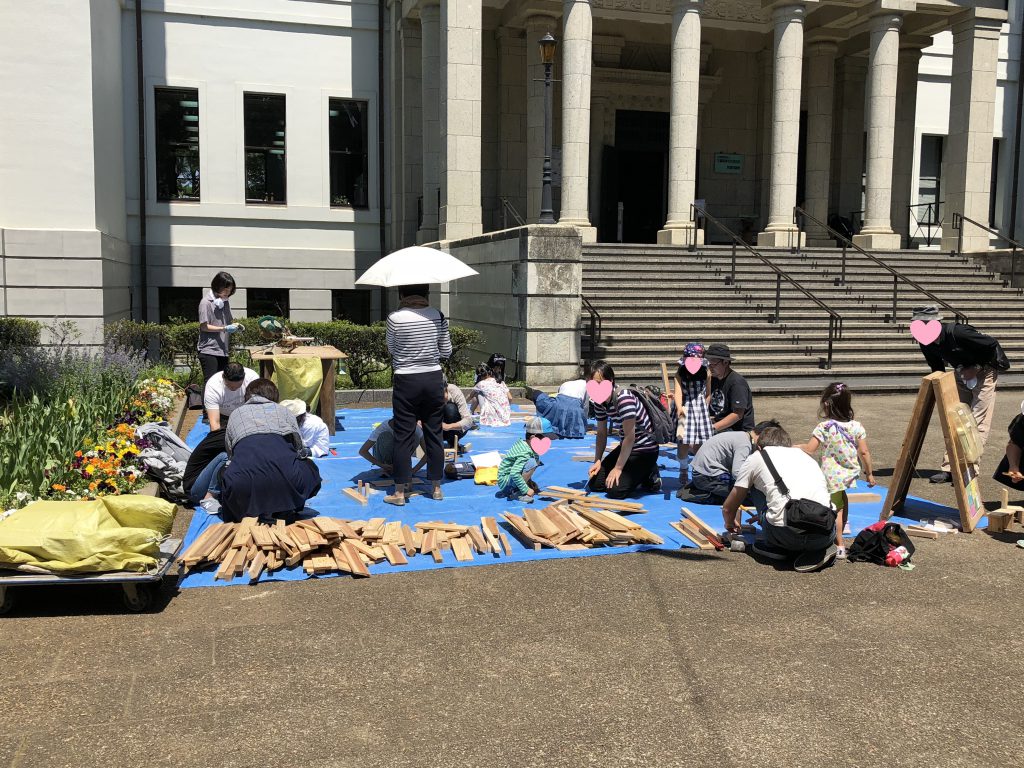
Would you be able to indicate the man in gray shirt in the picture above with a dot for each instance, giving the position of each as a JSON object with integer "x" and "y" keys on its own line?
{"x": 717, "y": 463}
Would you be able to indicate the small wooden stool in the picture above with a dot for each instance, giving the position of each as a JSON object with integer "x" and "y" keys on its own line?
{"x": 999, "y": 519}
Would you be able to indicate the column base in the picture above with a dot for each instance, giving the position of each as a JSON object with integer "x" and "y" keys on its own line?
{"x": 587, "y": 233}
{"x": 878, "y": 241}
{"x": 821, "y": 242}
{"x": 681, "y": 236}
{"x": 781, "y": 238}
{"x": 426, "y": 236}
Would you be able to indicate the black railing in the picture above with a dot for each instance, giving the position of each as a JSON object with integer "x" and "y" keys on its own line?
{"x": 958, "y": 225}
{"x": 835, "y": 320}
{"x": 801, "y": 217}
{"x": 927, "y": 222}
{"x": 595, "y": 328}
{"x": 507, "y": 210}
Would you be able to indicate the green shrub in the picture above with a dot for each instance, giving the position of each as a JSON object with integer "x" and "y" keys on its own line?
{"x": 130, "y": 333}
{"x": 18, "y": 332}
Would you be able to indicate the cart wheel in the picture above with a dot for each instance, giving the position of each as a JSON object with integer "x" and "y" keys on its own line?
{"x": 6, "y": 600}
{"x": 137, "y": 598}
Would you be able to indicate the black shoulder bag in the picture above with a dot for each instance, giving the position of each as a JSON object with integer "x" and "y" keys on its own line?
{"x": 803, "y": 515}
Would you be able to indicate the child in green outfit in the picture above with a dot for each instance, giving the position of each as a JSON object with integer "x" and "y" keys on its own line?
{"x": 518, "y": 465}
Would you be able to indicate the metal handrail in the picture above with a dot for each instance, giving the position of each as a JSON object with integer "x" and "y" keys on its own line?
{"x": 595, "y": 325}
{"x": 931, "y": 221}
{"x": 959, "y": 218}
{"x": 800, "y": 217}
{"x": 506, "y": 209}
{"x": 835, "y": 320}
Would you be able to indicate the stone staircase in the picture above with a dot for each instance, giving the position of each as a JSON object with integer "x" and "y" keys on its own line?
{"x": 653, "y": 299}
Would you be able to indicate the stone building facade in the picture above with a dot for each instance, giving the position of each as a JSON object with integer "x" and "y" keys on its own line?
{"x": 292, "y": 159}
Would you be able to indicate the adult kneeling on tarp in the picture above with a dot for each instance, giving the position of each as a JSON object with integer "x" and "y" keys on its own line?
{"x": 268, "y": 472}
{"x": 797, "y": 519}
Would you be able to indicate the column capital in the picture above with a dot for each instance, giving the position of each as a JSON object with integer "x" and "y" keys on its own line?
{"x": 431, "y": 9}
{"x": 688, "y": 5}
{"x": 885, "y": 20}
{"x": 785, "y": 7}
{"x": 893, "y": 6}
{"x": 788, "y": 11}
{"x": 973, "y": 20}
{"x": 822, "y": 46}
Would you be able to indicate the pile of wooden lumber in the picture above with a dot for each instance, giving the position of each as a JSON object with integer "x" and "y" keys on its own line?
{"x": 697, "y": 531}
{"x": 330, "y": 545}
{"x": 575, "y": 521}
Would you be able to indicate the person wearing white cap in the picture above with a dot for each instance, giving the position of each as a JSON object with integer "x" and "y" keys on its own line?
{"x": 977, "y": 360}
{"x": 315, "y": 434}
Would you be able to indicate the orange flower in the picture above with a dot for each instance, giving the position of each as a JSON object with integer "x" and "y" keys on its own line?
{"x": 59, "y": 487}
{"x": 78, "y": 454}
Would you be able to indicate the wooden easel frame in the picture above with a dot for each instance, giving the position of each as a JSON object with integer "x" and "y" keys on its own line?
{"x": 940, "y": 389}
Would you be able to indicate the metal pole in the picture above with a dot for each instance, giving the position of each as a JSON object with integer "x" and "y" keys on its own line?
{"x": 895, "y": 289}
{"x": 959, "y": 233}
{"x": 547, "y": 215}
{"x": 831, "y": 336}
{"x": 842, "y": 273}
{"x": 778, "y": 296}
{"x": 141, "y": 107}
{"x": 732, "y": 271}
{"x": 1013, "y": 266}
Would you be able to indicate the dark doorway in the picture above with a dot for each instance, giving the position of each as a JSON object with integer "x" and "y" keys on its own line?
{"x": 635, "y": 177}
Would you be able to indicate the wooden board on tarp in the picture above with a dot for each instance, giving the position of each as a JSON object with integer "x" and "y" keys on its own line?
{"x": 936, "y": 389}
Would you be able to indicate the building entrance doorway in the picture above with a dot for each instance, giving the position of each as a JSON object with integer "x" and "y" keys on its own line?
{"x": 634, "y": 178}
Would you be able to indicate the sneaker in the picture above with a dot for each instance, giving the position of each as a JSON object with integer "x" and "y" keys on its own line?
{"x": 437, "y": 495}
{"x": 654, "y": 484}
{"x": 212, "y": 506}
{"x": 847, "y": 530}
{"x": 764, "y": 549}
{"x": 941, "y": 477}
{"x": 840, "y": 553}
{"x": 807, "y": 562}
{"x": 398, "y": 499}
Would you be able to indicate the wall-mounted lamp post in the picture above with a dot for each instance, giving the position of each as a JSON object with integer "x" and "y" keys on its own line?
{"x": 547, "y": 58}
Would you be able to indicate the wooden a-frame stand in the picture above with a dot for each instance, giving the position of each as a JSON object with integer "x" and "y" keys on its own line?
{"x": 936, "y": 388}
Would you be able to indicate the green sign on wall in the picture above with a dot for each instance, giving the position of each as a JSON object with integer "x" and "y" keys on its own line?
{"x": 728, "y": 163}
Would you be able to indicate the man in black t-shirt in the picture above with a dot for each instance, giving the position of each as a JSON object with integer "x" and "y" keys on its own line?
{"x": 732, "y": 407}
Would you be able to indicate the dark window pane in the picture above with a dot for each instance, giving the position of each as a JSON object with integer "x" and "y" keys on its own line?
{"x": 265, "y": 164}
{"x": 177, "y": 144}
{"x": 347, "y": 126}
{"x": 351, "y": 305}
{"x": 179, "y": 302}
{"x": 267, "y": 301}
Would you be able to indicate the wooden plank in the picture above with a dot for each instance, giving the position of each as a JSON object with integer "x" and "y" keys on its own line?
{"x": 374, "y": 528}
{"x": 479, "y": 542}
{"x": 409, "y": 540}
{"x": 910, "y": 450}
{"x": 461, "y": 549}
{"x": 539, "y": 524}
{"x": 491, "y": 525}
{"x": 355, "y": 563}
{"x": 244, "y": 532}
{"x": 568, "y": 491}
{"x": 492, "y": 541}
{"x": 429, "y": 542}
{"x": 447, "y": 527}
{"x": 695, "y": 537}
{"x": 394, "y": 555}
{"x": 664, "y": 379}
{"x": 522, "y": 531}
{"x": 921, "y": 533}
{"x": 354, "y": 495}
{"x": 505, "y": 544}
{"x": 340, "y": 559}
{"x": 863, "y": 498}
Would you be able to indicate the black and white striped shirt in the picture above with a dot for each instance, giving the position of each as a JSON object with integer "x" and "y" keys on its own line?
{"x": 418, "y": 340}
{"x": 624, "y": 407}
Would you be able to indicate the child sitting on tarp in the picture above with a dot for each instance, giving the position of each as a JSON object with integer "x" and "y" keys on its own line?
{"x": 315, "y": 434}
{"x": 518, "y": 465}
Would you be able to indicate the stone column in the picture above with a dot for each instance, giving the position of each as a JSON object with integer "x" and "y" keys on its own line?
{"x": 577, "y": 57}
{"x": 430, "y": 41}
{"x": 968, "y": 162}
{"x": 598, "y": 108}
{"x": 536, "y": 28}
{"x": 461, "y": 214}
{"x": 905, "y": 144}
{"x": 883, "y": 62}
{"x": 849, "y": 165}
{"x": 788, "y": 45}
{"x": 682, "y": 142}
{"x": 412, "y": 129}
{"x": 820, "y": 101}
{"x": 512, "y": 119}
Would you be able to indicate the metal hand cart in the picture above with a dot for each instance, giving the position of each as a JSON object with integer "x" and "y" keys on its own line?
{"x": 138, "y": 588}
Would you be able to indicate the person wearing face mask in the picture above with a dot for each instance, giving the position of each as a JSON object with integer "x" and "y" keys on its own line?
{"x": 216, "y": 325}
{"x": 977, "y": 360}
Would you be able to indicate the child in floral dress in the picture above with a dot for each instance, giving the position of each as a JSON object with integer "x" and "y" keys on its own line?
{"x": 843, "y": 445}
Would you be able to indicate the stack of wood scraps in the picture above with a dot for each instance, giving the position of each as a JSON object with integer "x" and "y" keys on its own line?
{"x": 575, "y": 522}
{"x": 324, "y": 545}
{"x": 697, "y": 531}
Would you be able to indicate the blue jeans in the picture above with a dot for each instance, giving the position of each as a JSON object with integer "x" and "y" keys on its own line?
{"x": 208, "y": 480}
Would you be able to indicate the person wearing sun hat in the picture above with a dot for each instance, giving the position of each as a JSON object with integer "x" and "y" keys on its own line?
{"x": 732, "y": 407}
{"x": 516, "y": 470}
{"x": 692, "y": 397}
{"x": 315, "y": 434}
{"x": 977, "y": 360}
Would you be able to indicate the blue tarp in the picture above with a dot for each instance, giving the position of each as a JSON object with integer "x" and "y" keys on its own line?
{"x": 465, "y": 503}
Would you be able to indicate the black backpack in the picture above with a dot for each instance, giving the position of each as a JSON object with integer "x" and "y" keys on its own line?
{"x": 663, "y": 426}
{"x": 875, "y": 542}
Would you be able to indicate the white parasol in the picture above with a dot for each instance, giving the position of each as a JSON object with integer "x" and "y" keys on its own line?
{"x": 414, "y": 266}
